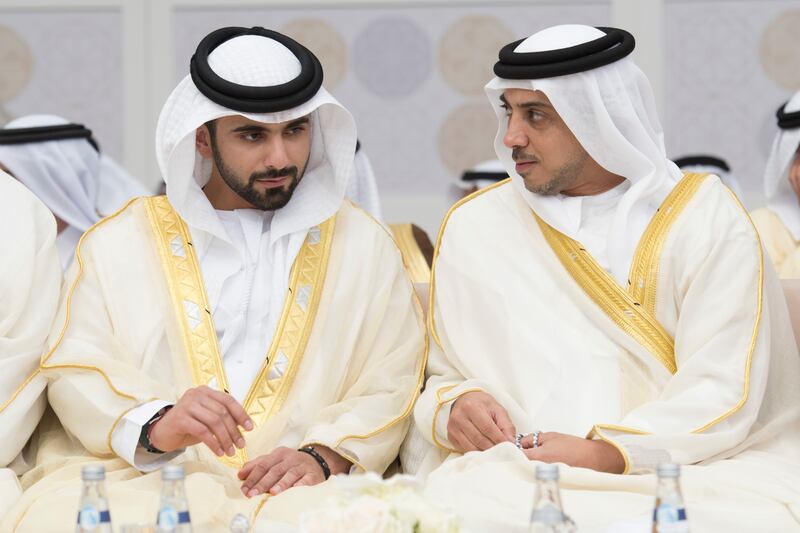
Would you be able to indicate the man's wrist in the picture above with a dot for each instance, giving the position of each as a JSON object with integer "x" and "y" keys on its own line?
{"x": 610, "y": 459}
{"x": 147, "y": 430}
{"x": 336, "y": 463}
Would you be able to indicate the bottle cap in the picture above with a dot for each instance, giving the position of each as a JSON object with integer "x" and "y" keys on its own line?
{"x": 240, "y": 524}
{"x": 172, "y": 473}
{"x": 546, "y": 472}
{"x": 93, "y": 473}
{"x": 670, "y": 470}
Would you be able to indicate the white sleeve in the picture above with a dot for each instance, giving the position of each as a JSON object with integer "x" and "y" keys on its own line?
{"x": 125, "y": 438}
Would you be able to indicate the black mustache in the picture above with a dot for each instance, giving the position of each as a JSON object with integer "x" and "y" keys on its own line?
{"x": 273, "y": 173}
{"x": 517, "y": 154}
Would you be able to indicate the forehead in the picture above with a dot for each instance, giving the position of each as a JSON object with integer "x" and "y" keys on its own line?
{"x": 516, "y": 97}
{"x": 238, "y": 121}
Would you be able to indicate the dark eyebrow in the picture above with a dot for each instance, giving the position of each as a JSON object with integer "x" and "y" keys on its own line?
{"x": 525, "y": 105}
{"x": 298, "y": 122}
{"x": 249, "y": 128}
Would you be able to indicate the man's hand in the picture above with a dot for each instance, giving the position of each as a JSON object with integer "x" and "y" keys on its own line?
{"x": 285, "y": 468}
{"x": 478, "y": 422}
{"x": 202, "y": 415}
{"x": 574, "y": 451}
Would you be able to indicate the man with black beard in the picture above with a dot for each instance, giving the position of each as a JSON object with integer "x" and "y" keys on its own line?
{"x": 252, "y": 324}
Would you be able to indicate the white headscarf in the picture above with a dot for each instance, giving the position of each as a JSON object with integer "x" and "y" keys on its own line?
{"x": 79, "y": 185}
{"x": 612, "y": 113}
{"x": 116, "y": 186}
{"x": 781, "y": 198}
{"x": 726, "y": 176}
{"x": 256, "y": 61}
{"x": 363, "y": 187}
{"x": 63, "y": 174}
{"x": 490, "y": 165}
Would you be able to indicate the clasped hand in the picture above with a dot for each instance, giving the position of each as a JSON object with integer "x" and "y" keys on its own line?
{"x": 478, "y": 422}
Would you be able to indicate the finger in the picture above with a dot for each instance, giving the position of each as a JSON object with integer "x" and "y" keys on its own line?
{"x": 230, "y": 424}
{"x": 527, "y": 441}
{"x": 473, "y": 432}
{"x": 253, "y": 477}
{"x": 484, "y": 422}
{"x": 269, "y": 479}
{"x": 504, "y": 423}
{"x": 306, "y": 481}
{"x": 268, "y": 461}
{"x": 534, "y": 454}
{"x": 235, "y": 409}
{"x": 200, "y": 431}
{"x": 214, "y": 423}
{"x": 288, "y": 480}
{"x": 467, "y": 444}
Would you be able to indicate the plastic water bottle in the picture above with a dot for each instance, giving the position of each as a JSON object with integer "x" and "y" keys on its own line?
{"x": 548, "y": 514}
{"x": 173, "y": 511}
{"x": 93, "y": 513}
{"x": 669, "y": 515}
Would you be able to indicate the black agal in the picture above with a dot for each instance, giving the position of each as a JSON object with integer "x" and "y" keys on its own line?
{"x": 250, "y": 99}
{"x": 611, "y": 47}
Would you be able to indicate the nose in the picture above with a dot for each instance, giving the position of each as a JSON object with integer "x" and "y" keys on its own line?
{"x": 277, "y": 156}
{"x": 515, "y": 134}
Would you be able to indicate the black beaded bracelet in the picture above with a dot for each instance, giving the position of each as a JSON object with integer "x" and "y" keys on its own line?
{"x": 323, "y": 464}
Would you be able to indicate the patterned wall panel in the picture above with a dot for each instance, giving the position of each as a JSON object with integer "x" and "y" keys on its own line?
{"x": 64, "y": 63}
{"x": 729, "y": 65}
{"x": 412, "y": 76}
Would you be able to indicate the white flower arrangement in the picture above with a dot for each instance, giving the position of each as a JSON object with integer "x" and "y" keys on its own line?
{"x": 368, "y": 504}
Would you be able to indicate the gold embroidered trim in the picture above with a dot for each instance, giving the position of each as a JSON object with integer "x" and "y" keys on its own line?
{"x": 616, "y": 303}
{"x": 190, "y": 304}
{"x": 643, "y": 276}
{"x": 188, "y": 293}
{"x": 414, "y": 261}
{"x": 306, "y": 280}
{"x": 756, "y": 325}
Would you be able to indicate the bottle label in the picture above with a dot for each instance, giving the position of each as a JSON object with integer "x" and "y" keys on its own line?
{"x": 670, "y": 519}
{"x": 167, "y": 518}
{"x": 549, "y": 514}
{"x": 89, "y": 517}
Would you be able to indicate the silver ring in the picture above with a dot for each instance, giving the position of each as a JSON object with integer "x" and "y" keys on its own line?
{"x": 518, "y": 440}
{"x": 536, "y": 435}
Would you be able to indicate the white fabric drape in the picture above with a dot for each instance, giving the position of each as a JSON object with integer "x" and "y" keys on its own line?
{"x": 363, "y": 186}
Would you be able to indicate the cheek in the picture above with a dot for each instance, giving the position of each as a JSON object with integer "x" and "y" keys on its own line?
{"x": 299, "y": 150}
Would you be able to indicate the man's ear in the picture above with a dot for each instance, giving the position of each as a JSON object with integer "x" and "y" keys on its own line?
{"x": 202, "y": 141}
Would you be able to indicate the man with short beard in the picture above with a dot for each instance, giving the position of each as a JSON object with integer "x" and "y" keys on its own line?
{"x": 602, "y": 311}
{"x": 252, "y": 324}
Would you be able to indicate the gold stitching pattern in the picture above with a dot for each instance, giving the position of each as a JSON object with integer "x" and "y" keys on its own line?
{"x": 413, "y": 259}
{"x": 616, "y": 303}
{"x": 756, "y": 325}
{"x": 643, "y": 276}
{"x": 275, "y": 378}
{"x": 188, "y": 293}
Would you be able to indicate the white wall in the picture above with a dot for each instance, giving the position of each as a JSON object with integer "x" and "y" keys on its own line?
{"x": 112, "y": 63}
